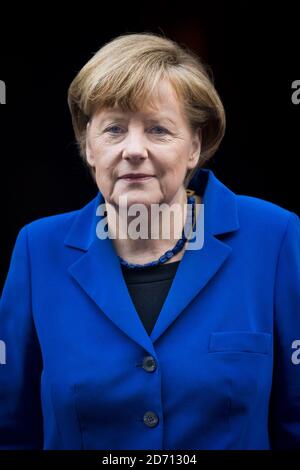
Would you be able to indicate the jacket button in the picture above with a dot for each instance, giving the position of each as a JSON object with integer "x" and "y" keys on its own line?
{"x": 149, "y": 364}
{"x": 151, "y": 419}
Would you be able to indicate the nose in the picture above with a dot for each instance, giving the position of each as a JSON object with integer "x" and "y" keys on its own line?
{"x": 135, "y": 146}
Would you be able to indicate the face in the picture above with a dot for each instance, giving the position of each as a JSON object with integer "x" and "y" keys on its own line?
{"x": 157, "y": 143}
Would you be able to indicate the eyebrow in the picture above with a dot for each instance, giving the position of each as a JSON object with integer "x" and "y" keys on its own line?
{"x": 119, "y": 114}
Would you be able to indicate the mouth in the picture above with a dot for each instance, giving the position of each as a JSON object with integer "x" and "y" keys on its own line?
{"x": 136, "y": 178}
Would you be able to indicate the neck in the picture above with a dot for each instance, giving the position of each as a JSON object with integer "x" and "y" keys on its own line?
{"x": 146, "y": 236}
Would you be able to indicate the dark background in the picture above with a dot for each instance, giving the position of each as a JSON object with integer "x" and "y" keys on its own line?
{"x": 254, "y": 54}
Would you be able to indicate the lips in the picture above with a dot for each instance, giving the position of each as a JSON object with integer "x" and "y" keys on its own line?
{"x": 136, "y": 175}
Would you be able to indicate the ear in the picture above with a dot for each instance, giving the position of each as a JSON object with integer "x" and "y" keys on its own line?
{"x": 196, "y": 149}
{"x": 88, "y": 150}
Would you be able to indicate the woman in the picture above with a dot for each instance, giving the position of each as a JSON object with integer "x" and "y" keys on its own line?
{"x": 143, "y": 342}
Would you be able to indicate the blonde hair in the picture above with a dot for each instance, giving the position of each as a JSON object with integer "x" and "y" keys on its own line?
{"x": 124, "y": 74}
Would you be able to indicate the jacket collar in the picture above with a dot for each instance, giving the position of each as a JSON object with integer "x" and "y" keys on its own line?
{"x": 220, "y": 204}
{"x": 98, "y": 270}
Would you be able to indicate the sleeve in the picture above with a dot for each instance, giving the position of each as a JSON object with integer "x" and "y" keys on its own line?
{"x": 20, "y": 357}
{"x": 285, "y": 397}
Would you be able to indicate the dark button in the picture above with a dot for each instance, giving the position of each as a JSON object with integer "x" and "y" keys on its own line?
{"x": 149, "y": 364}
{"x": 151, "y": 419}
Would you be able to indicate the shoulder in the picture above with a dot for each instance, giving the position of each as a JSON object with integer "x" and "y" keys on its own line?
{"x": 50, "y": 225}
{"x": 263, "y": 214}
{"x": 55, "y": 227}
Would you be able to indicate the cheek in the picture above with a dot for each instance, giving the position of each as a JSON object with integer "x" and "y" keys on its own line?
{"x": 104, "y": 175}
{"x": 175, "y": 158}
{"x": 173, "y": 174}
{"x": 104, "y": 165}
{"x": 175, "y": 169}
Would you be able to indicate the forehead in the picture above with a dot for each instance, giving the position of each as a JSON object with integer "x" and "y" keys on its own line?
{"x": 164, "y": 104}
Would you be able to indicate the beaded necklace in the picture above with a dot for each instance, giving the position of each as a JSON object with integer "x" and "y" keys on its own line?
{"x": 180, "y": 243}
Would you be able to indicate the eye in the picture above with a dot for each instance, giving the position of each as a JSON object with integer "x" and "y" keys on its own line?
{"x": 162, "y": 129}
{"x": 113, "y": 129}
{"x": 117, "y": 130}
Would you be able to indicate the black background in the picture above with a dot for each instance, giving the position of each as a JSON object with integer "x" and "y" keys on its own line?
{"x": 253, "y": 51}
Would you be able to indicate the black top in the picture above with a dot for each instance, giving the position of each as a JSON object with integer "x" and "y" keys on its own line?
{"x": 148, "y": 288}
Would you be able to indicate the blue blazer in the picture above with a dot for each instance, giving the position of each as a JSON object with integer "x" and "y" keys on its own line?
{"x": 224, "y": 353}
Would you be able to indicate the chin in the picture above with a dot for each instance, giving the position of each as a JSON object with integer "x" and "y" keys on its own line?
{"x": 146, "y": 201}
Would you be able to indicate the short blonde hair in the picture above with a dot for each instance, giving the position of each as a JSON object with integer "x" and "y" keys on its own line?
{"x": 124, "y": 74}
